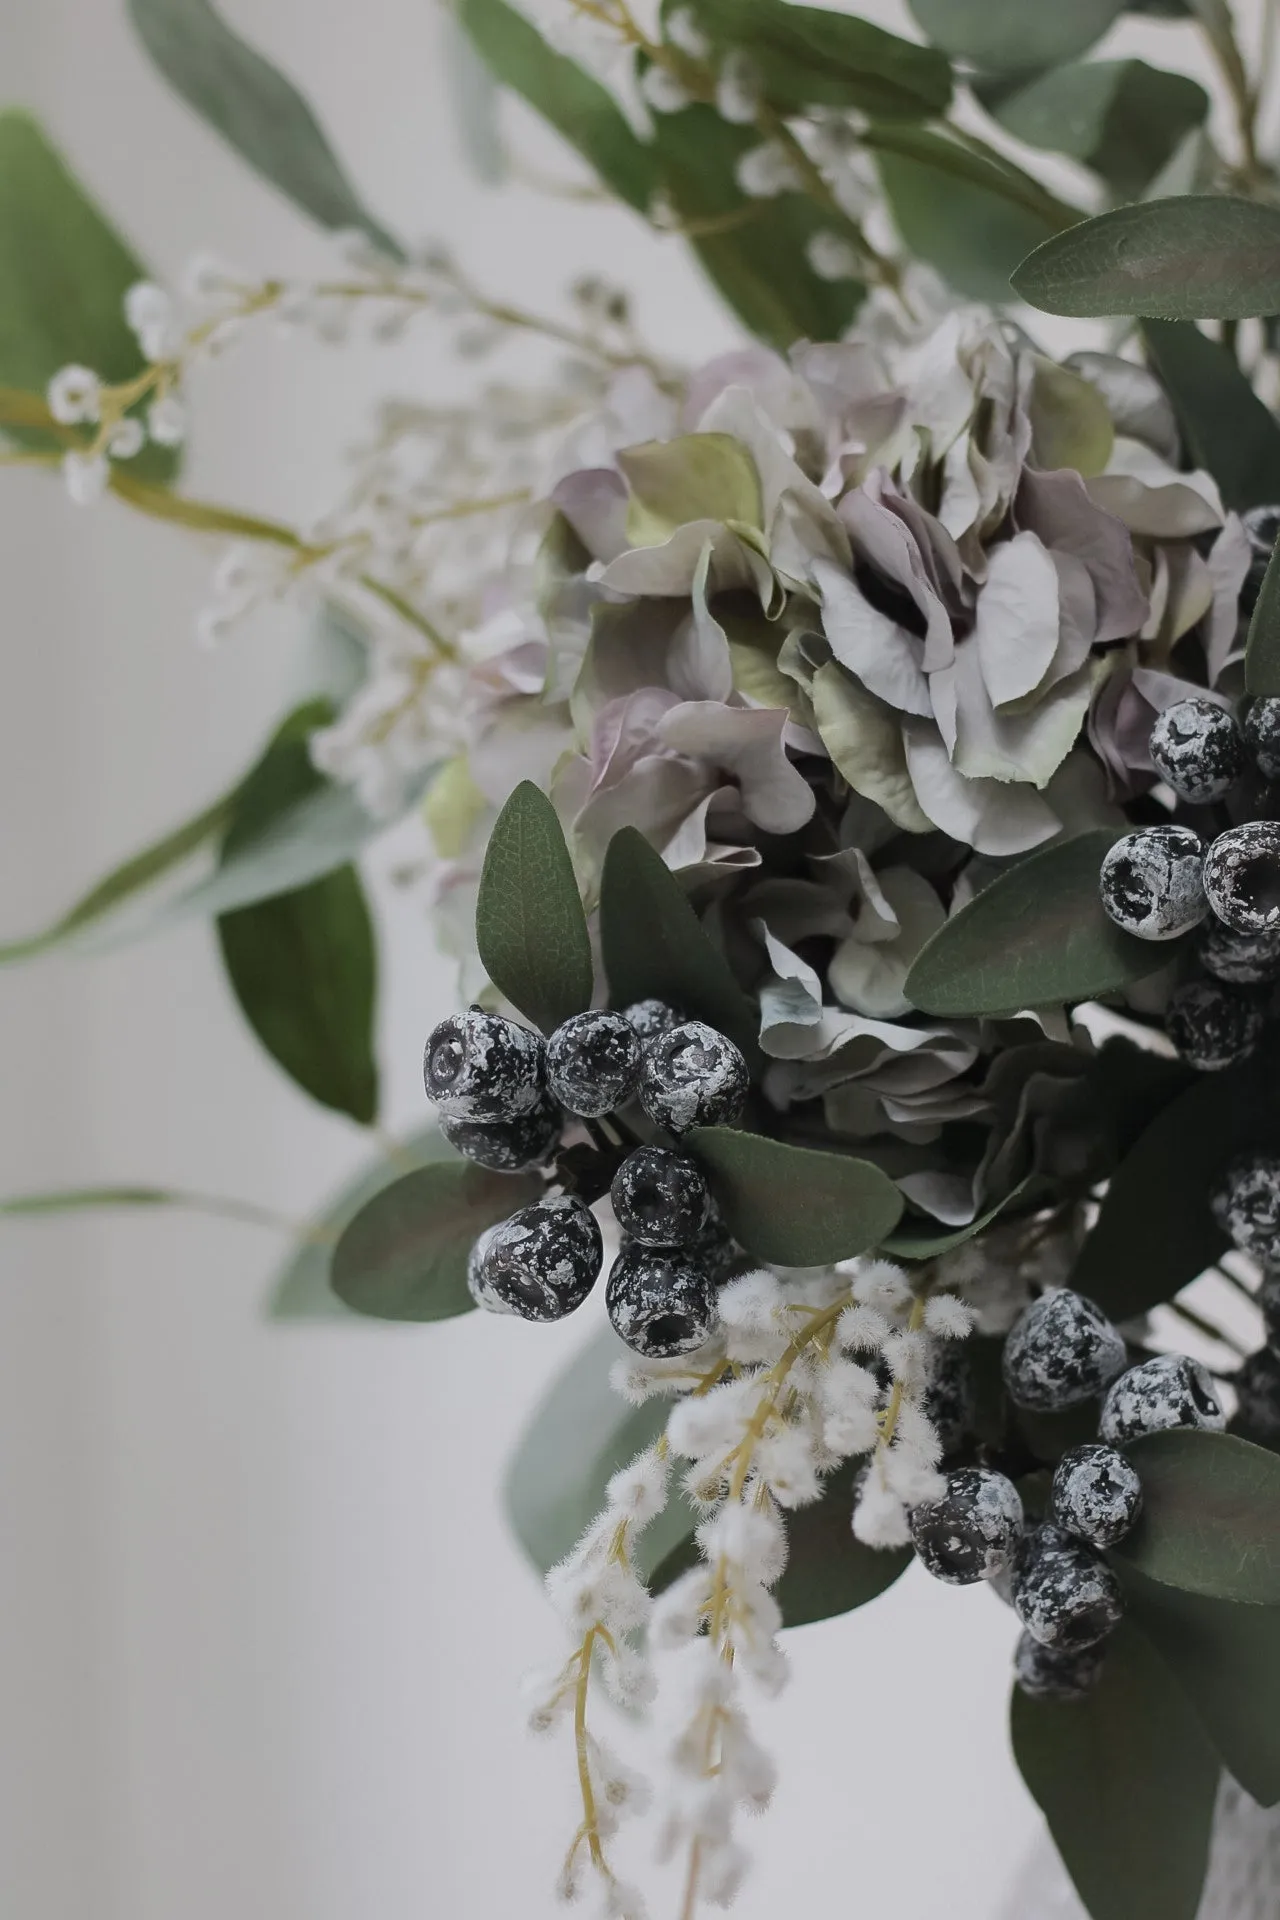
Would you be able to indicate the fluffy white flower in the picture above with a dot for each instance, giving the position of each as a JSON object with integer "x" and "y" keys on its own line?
{"x": 126, "y": 439}
{"x": 879, "y": 1283}
{"x": 765, "y": 171}
{"x": 738, "y": 90}
{"x": 639, "y": 1491}
{"x": 863, "y": 1329}
{"x": 684, "y": 32}
{"x": 948, "y": 1318}
{"x": 752, "y": 1302}
{"x": 149, "y": 313}
{"x": 664, "y": 91}
{"x": 85, "y": 476}
{"x": 832, "y": 257}
{"x": 784, "y": 1460}
{"x": 167, "y": 421}
{"x": 73, "y": 395}
{"x": 751, "y": 1537}
{"x": 586, "y": 1593}
{"x": 879, "y": 1517}
{"x": 678, "y": 1613}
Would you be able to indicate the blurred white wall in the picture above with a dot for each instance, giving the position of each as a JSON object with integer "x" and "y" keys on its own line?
{"x": 261, "y": 1630}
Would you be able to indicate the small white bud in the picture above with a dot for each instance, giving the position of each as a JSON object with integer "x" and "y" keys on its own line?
{"x": 167, "y": 421}
{"x": 766, "y": 171}
{"x": 126, "y": 439}
{"x": 831, "y": 256}
{"x": 149, "y": 312}
{"x": 86, "y": 476}
{"x": 73, "y": 395}
{"x": 684, "y": 32}
{"x": 663, "y": 91}
{"x": 738, "y": 90}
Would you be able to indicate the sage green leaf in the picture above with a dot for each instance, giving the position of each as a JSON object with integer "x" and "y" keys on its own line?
{"x": 1036, "y": 937}
{"x": 531, "y": 931}
{"x": 147, "y": 1199}
{"x": 973, "y": 232}
{"x": 1127, "y": 1781}
{"x": 1262, "y": 655}
{"x": 653, "y": 945}
{"x": 575, "y": 104}
{"x": 1211, "y": 1516}
{"x": 404, "y": 1254}
{"x": 1224, "y": 426}
{"x": 908, "y": 1243}
{"x": 1197, "y": 257}
{"x": 1227, "y": 1660}
{"x": 64, "y": 273}
{"x": 810, "y": 57}
{"x": 1155, "y": 1231}
{"x": 255, "y": 108}
{"x": 1007, "y": 36}
{"x": 1120, "y": 117}
{"x": 795, "y": 1206}
{"x": 303, "y": 964}
{"x": 755, "y": 252}
{"x": 697, "y": 476}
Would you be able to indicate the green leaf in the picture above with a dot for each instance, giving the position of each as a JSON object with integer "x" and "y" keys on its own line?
{"x": 973, "y": 231}
{"x": 404, "y": 1255}
{"x": 303, "y": 964}
{"x": 255, "y": 108}
{"x": 1156, "y": 1232}
{"x": 1127, "y": 1781}
{"x": 1224, "y": 425}
{"x": 64, "y": 273}
{"x": 910, "y": 1244}
{"x": 1227, "y": 1660}
{"x": 531, "y": 931}
{"x": 1008, "y": 36}
{"x": 794, "y": 1205}
{"x": 577, "y": 106}
{"x": 754, "y": 251}
{"x": 1197, "y": 257}
{"x": 809, "y": 57}
{"x": 697, "y": 476}
{"x": 1036, "y": 937}
{"x": 653, "y": 945}
{"x": 1211, "y": 1516}
{"x": 1120, "y": 117}
{"x": 1262, "y": 655}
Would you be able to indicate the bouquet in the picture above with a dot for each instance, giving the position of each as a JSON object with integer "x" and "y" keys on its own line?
{"x": 848, "y": 778}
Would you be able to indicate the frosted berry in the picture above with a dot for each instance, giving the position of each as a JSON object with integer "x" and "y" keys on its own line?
{"x": 507, "y": 1146}
{"x": 1169, "y": 1391}
{"x": 972, "y": 1533}
{"x": 715, "y": 1249}
{"x": 543, "y": 1262}
{"x": 1241, "y": 959}
{"x": 692, "y": 1076}
{"x": 593, "y": 1062}
{"x": 1097, "y": 1495}
{"x": 1269, "y": 1301}
{"x": 1242, "y": 876}
{"x": 1212, "y": 1025}
{"x": 1197, "y": 749}
{"x": 1257, "y": 1386}
{"x": 477, "y": 1286}
{"x": 1246, "y": 1205}
{"x": 660, "y": 1198}
{"x": 1062, "y": 1352}
{"x": 660, "y": 1303}
{"x": 1064, "y": 1595}
{"x": 1261, "y": 525}
{"x": 1057, "y": 1673}
{"x": 479, "y": 1066}
{"x": 1262, "y": 736}
{"x": 1151, "y": 883}
{"x": 649, "y": 1018}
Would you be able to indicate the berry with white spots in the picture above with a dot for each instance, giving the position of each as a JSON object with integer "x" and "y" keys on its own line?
{"x": 1151, "y": 884}
{"x": 593, "y": 1063}
{"x": 1262, "y": 735}
{"x": 1241, "y": 959}
{"x": 661, "y": 1302}
{"x": 543, "y": 1262}
{"x": 1062, "y": 1352}
{"x": 1242, "y": 876}
{"x": 649, "y": 1018}
{"x": 692, "y": 1076}
{"x": 1212, "y": 1025}
{"x": 478, "y": 1066}
{"x": 507, "y": 1146}
{"x": 1097, "y": 1495}
{"x": 1197, "y": 749}
{"x": 660, "y": 1198}
{"x": 1170, "y": 1390}
{"x": 477, "y": 1286}
{"x": 972, "y": 1532}
{"x": 1269, "y": 1302}
{"x": 1246, "y": 1205}
{"x": 1057, "y": 1673}
{"x": 1065, "y": 1596}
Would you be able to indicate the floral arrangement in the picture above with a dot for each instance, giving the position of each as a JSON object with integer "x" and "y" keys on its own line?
{"x": 849, "y": 780}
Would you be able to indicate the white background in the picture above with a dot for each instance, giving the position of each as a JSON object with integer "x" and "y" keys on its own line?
{"x": 261, "y": 1628}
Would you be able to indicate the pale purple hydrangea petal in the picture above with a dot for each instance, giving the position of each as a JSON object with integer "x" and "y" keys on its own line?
{"x": 747, "y": 743}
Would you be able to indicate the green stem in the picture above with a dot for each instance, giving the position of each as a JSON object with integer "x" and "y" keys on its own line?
{"x": 216, "y": 1206}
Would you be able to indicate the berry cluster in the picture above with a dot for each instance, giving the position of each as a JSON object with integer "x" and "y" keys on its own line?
{"x": 1160, "y": 882}
{"x": 1063, "y": 1353}
{"x": 506, "y": 1098}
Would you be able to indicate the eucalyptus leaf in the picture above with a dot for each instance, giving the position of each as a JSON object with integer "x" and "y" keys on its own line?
{"x": 1211, "y": 1516}
{"x": 574, "y": 103}
{"x": 531, "y": 931}
{"x": 64, "y": 273}
{"x": 1225, "y": 427}
{"x": 909, "y": 1243}
{"x": 974, "y": 232}
{"x": 404, "y": 1255}
{"x": 1262, "y": 655}
{"x": 255, "y": 108}
{"x": 812, "y": 57}
{"x": 1007, "y": 36}
{"x": 795, "y": 1206}
{"x": 653, "y": 945}
{"x": 1197, "y": 257}
{"x": 1036, "y": 937}
{"x": 1127, "y": 1780}
{"x": 1123, "y": 118}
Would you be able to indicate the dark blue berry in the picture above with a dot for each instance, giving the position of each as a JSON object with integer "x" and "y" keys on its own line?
{"x": 1212, "y": 1025}
{"x": 1242, "y": 876}
{"x": 1241, "y": 959}
{"x": 593, "y": 1062}
{"x": 1246, "y": 1205}
{"x": 660, "y": 1198}
{"x": 692, "y": 1076}
{"x": 649, "y": 1018}
{"x": 1262, "y": 735}
{"x": 660, "y": 1302}
{"x": 1065, "y": 1596}
{"x": 1150, "y": 883}
{"x": 1261, "y": 525}
{"x": 1197, "y": 749}
{"x": 1170, "y": 1390}
{"x": 478, "y": 1066}
{"x": 1097, "y": 1495}
{"x": 542, "y": 1262}
{"x": 1257, "y": 1386}
{"x": 1062, "y": 1352}
{"x": 507, "y": 1146}
{"x": 972, "y": 1532}
{"x": 477, "y": 1285}
{"x": 1054, "y": 1673}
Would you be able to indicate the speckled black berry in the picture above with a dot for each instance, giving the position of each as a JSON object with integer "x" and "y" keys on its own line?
{"x": 1197, "y": 749}
{"x": 1246, "y": 1205}
{"x": 649, "y": 1018}
{"x": 1241, "y": 959}
{"x": 478, "y": 1066}
{"x": 507, "y": 1146}
{"x": 1269, "y": 1302}
{"x": 660, "y": 1303}
{"x": 1064, "y": 1595}
{"x": 1062, "y": 1352}
{"x": 1261, "y": 525}
{"x": 1170, "y": 1390}
{"x": 692, "y": 1076}
{"x": 1213, "y": 1025}
{"x": 1257, "y": 1386}
{"x": 1150, "y": 882}
{"x": 972, "y": 1533}
{"x": 477, "y": 1286}
{"x": 949, "y": 1398}
{"x": 593, "y": 1063}
{"x": 1097, "y": 1495}
{"x": 1057, "y": 1673}
{"x": 1242, "y": 876}
{"x": 660, "y": 1198}
{"x": 1262, "y": 736}
{"x": 715, "y": 1250}
{"x": 543, "y": 1262}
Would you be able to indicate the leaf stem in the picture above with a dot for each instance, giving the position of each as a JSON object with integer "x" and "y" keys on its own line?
{"x": 216, "y": 1206}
